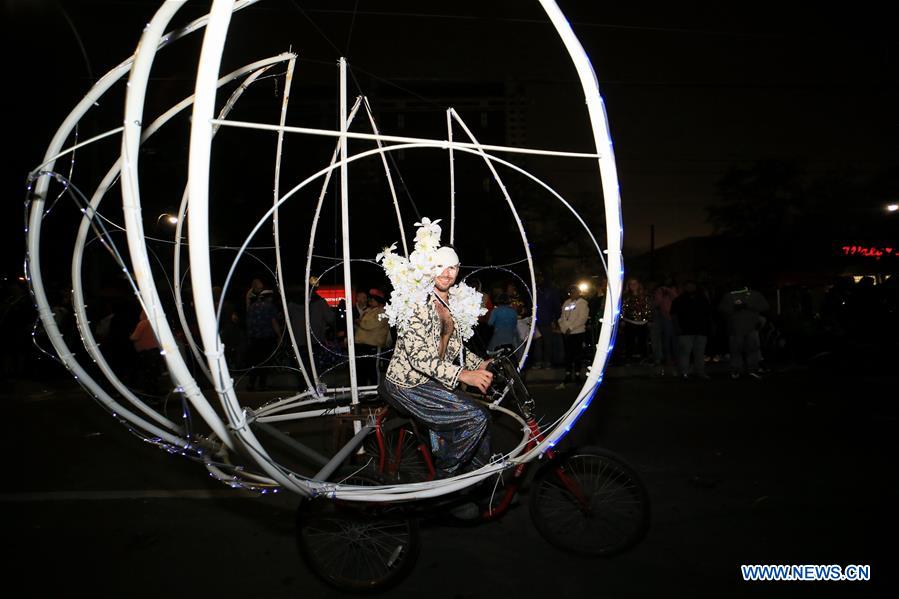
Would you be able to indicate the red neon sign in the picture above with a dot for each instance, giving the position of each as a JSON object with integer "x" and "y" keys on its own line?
{"x": 332, "y": 294}
{"x": 869, "y": 251}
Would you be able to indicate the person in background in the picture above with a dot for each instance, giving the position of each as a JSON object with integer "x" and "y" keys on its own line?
{"x": 149, "y": 362}
{"x": 113, "y": 334}
{"x": 572, "y": 325}
{"x": 596, "y": 301}
{"x": 371, "y": 332}
{"x": 340, "y": 333}
{"x": 263, "y": 334}
{"x": 635, "y": 317}
{"x": 360, "y": 305}
{"x": 691, "y": 314}
{"x": 256, "y": 287}
{"x": 233, "y": 335}
{"x": 549, "y": 309}
{"x": 743, "y": 309}
{"x": 523, "y": 329}
{"x": 515, "y": 301}
{"x": 504, "y": 320}
{"x": 664, "y": 347}
{"x": 321, "y": 319}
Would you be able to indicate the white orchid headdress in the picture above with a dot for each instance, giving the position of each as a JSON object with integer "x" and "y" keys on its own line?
{"x": 413, "y": 280}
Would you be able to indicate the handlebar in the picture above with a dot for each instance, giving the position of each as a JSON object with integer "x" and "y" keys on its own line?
{"x": 507, "y": 379}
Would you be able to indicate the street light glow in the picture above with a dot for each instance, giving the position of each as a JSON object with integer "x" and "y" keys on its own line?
{"x": 892, "y": 207}
{"x": 583, "y": 286}
{"x": 173, "y": 220}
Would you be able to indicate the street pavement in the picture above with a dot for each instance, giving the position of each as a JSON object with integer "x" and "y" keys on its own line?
{"x": 794, "y": 469}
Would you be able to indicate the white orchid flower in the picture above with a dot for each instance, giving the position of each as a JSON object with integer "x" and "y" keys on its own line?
{"x": 424, "y": 222}
{"x": 387, "y": 252}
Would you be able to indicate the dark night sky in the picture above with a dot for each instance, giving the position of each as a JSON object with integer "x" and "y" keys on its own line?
{"x": 691, "y": 89}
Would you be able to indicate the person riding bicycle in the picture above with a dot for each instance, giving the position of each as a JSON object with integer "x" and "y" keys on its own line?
{"x": 423, "y": 376}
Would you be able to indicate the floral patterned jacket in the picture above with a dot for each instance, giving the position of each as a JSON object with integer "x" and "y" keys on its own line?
{"x": 416, "y": 357}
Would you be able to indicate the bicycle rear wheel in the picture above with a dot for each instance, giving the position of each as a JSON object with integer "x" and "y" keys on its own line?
{"x": 357, "y": 548}
{"x": 590, "y": 502}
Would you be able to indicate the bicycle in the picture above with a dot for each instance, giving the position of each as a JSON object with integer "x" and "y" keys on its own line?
{"x": 586, "y": 501}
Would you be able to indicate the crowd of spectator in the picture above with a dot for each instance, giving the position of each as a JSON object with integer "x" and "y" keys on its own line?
{"x": 671, "y": 327}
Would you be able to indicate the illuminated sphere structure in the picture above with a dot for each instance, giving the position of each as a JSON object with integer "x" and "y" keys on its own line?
{"x": 232, "y": 438}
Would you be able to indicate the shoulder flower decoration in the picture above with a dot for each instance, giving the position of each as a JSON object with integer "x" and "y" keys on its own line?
{"x": 466, "y": 305}
{"x": 412, "y": 279}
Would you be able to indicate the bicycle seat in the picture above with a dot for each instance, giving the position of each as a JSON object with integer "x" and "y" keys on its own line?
{"x": 384, "y": 396}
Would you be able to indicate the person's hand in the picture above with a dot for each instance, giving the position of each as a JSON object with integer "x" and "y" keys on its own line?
{"x": 477, "y": 378}
{"x": 485, "y": 364}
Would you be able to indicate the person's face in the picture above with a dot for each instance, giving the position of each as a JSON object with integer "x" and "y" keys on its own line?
{"x": 361, "y": 298}
{"x": 257, "y": 285}
{"x": 633, "y": 285}
{"x": 445, "y": 279}
{"x": 372, "y": 302}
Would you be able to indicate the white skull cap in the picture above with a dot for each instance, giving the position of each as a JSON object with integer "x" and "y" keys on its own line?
{"x": 446, "y": 257}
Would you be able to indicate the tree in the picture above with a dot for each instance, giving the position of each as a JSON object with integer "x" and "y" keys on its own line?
{"x": 762, "y": 201}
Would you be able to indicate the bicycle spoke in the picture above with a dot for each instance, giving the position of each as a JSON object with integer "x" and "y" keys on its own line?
{"x": 613, "y": 516}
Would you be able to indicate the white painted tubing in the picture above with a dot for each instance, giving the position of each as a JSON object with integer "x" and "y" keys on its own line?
{"x": 311, "y": 249}
{"x": 441, "y": 143}
{"x": 605, "y": 169}
{"x": 612, "y": 205}
{"x": 198, "y": 231}
{"x": 297, "y": 402}
{"x": 77, "y": 255}
{"x": 479, "y": 475}
{"x": 555, "y": 194}
{"x": 524, "y": 237}
{"x": 345, "y": 229}
{"x": 335, "y": 165}
{"x": 398, "y": 492}
{"x": 276, "y": 227}
{"x": 179, "y": 227}
{"x": 396, "y": 203}
{"x": 305, "y": 414}
{"x": 233, "y": 481}
{"x": 131, "y": 209}
{"x": 452, "y": 176}
{"x": 35, "y": 218}
{"x": 75, "y": 147}
{"x": 83, "y": 325}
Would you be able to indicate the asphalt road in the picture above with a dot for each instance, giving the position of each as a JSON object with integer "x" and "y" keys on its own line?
{"x": 793, "y": 469}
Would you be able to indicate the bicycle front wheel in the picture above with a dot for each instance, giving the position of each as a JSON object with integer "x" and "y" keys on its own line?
{"x": 590, "y": 502}
{"x": 357, "y": 548}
